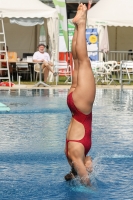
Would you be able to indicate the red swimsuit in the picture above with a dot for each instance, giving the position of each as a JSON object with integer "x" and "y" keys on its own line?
{"x": 86, "y": 120}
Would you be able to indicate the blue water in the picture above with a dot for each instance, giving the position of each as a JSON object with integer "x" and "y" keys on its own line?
{"x": 32, "y": 140}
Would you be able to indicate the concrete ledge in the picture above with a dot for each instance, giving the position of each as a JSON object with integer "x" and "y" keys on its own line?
{"x": 63, "y": 87}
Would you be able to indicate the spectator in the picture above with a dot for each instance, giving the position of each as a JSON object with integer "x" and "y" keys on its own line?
{"x": 44, "y": 58}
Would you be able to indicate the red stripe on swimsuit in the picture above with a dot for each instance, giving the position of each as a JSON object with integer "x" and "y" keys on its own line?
{"x": 86, "y": 120}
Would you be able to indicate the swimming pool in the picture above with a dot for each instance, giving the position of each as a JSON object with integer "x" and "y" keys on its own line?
{"x": 32, "y": 138}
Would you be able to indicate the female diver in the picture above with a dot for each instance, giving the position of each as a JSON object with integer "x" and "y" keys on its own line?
{"x": 80, "y": 101}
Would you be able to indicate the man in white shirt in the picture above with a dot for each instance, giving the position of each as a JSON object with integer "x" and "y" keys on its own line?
{"x": 42, "y": 56}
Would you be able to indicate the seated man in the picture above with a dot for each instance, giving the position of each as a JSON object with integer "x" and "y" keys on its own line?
{"x": 42, "y": 56}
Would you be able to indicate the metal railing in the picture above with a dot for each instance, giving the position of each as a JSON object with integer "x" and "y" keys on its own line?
{"x": 119, "y": 55}
{"x": 112, "y": 55}
{"x": 120, "y": 75}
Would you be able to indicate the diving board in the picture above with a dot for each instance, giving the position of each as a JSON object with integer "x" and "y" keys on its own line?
{"x": 3, "y": 107}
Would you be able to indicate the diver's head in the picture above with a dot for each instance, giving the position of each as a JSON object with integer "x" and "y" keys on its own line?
{"x": 71, "y": 175}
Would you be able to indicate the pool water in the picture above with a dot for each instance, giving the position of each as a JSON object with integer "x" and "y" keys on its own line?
{"x": 32, "y": 139}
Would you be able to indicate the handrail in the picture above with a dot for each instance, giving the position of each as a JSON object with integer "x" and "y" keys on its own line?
{"x": 121, "y": 83}
{"x": 114, "y": 55}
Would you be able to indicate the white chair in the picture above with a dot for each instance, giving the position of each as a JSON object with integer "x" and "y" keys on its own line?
{"x": 127, "y": 70}
{"x": 112, "y": 69}
{"x": 37, "y": 70}
{"x": 23, "y": 68}
{"x": 63, "y": 69}
{"x": 98, "y": 70}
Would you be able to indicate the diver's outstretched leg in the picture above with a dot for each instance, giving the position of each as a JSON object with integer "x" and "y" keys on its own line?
{"x": 84, "y": 93}
{"x": 74, "y": 55}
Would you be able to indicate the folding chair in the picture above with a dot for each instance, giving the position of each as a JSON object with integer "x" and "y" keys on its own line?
{"x": 98, "y": 70}
{"x": 23, "y": 68}
{"x": 127, "y": 69}
{"x": 37, "y": 70}
{"x": 63, "y": 69}
{"x": 112, "y": 69}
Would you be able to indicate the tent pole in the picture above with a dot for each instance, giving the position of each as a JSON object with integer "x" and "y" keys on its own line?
{"x": 46, "y": 32}
{"x": 35, "y": 37}
{"x": 115, "y": 42}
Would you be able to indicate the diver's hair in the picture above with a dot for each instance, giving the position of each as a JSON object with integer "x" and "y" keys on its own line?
{"x": 72, "y": 174}
{"x": 41, "y": 44}
{"x": 68, "y": 176}
{"x": 73, "y": 171}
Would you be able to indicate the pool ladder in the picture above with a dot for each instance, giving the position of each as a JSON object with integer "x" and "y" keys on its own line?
{"x": 4, "y": 53}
